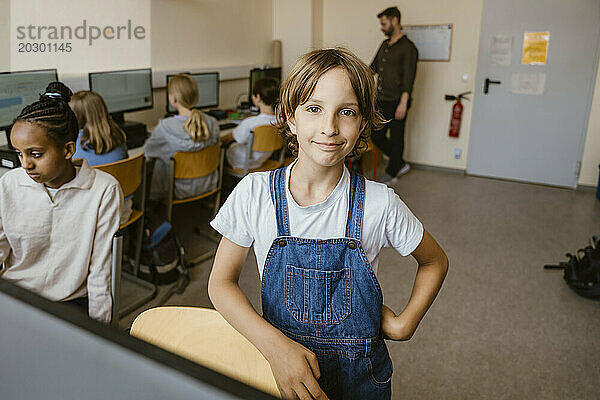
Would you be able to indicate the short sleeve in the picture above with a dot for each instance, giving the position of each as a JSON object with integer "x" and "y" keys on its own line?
{"x": 403, "y": 230}
{"x": 232, "y": 221}
{"x": 241, "y": 133}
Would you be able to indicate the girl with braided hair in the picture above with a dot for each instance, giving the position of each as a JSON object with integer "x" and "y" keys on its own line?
{"x": 57, "y": 215}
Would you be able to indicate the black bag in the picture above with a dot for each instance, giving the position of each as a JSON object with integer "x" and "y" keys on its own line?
{"x": 582, "y": 271}
{"x": 161, "y": 261}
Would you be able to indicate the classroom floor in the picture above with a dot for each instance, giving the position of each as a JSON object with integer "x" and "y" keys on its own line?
{"x": 502, "y": 327}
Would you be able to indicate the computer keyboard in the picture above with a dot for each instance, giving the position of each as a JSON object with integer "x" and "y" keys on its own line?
{"x": 227, "y": 125}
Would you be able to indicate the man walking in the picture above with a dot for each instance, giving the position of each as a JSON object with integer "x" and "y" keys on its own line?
{"x": 395, "y": 64}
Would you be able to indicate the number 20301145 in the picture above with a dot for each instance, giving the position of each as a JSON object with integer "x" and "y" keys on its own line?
{"x": 26, "y": 47}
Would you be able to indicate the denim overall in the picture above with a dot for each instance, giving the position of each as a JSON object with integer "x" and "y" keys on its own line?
{"x": 324, "y": 295}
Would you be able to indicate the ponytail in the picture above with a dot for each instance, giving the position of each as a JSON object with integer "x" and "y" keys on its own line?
{"x": 196, "y": 127}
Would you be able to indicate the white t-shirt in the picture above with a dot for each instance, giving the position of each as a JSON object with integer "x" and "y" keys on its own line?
{"x": 236, "y": 153}
{"x": 248, "y": 218}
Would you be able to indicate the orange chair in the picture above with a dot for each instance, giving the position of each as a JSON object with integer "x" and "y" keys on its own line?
{"x": 190, "y": 165}
{"x": 263, "y": 138}
{"x": 196, "y": 164}
{"x": 131, "y": 174}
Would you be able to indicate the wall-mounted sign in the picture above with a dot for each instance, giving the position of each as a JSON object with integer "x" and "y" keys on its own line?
{"x": 434, "y": 42}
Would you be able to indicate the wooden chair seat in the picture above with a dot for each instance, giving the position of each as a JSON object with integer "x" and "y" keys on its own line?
{"x": 135, "y": 215}
{"x": 194, "y": 198}
{"x": 204, "y": 336}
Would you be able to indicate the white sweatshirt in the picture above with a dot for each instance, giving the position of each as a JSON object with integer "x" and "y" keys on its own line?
{"x": 60, "y": 246}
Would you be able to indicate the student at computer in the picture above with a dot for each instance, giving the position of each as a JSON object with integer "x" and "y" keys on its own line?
{"x": 264, "y": 94}
{"x": 100, "y": 139}
{"x": 57, "y": 215}
{"x": 189, "y": 130}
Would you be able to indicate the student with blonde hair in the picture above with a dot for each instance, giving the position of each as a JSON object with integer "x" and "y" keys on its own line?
{"x": 189, "y": 130}
{"x": 100, "y": 139}
{"x": 317, "y": 230}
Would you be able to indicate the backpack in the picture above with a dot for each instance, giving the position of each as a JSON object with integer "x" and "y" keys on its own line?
{"x": 161, "y": 260}
{"x": 582, "y": 271}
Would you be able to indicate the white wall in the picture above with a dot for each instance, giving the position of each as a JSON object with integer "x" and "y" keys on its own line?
{"x": 205, "y": 33}
{"x": 292, "y": 25}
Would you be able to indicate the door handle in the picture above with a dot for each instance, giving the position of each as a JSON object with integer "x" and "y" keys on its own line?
{"x": 488, "y": 82}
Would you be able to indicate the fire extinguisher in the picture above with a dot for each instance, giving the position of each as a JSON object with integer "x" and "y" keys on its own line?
{"x": 457, "y": 110}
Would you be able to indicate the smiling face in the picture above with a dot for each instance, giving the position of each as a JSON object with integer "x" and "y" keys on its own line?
{"x": 328, "y": 124}
{"x": 44, "y": 160}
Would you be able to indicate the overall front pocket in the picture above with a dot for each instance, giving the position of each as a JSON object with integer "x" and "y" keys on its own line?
{"x": 318, "y": 297}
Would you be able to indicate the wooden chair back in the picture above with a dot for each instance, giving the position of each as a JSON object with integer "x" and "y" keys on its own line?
{"x": 266, "y": 138}
{"x": 189, "y": 165}
{"x": 128, "y": 172}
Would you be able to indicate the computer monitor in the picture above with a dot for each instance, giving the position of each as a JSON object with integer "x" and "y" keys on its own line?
{"x": 19, "y": 89}
{"x": 208, "y": 90}
{"x": 258, "y": 73}
{"x": 124, "y": 91}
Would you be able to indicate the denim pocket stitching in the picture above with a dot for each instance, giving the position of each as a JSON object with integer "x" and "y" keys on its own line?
{"x": 372, "y": 377}
{"x": 347, "y": 307}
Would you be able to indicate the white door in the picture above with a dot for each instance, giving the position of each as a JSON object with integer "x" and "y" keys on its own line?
{"x": 525, "y": 129}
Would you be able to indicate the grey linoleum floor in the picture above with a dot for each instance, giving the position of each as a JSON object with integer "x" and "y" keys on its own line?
{"x": 502, "y": 327}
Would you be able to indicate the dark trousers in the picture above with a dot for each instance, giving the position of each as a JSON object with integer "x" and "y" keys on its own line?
{"x": 394, "y": 146}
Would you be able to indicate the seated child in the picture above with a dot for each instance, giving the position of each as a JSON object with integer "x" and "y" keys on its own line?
{"x": 100, "y": 140}
{"x": 317, "y": 231}
{"x": 190, "y": 130}
{"x": 57, "y": 216}
{"x": 264, "y": 95}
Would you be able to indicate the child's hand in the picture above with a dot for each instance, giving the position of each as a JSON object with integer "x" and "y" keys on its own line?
{"x": 296, "y": 371}
{"x": 395, "y": 327}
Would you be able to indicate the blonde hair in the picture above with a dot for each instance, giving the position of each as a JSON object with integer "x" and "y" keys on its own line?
{"x": 100, "y": 132}
{"x": 185, "y": 90}
{"x": 302, "y": 80}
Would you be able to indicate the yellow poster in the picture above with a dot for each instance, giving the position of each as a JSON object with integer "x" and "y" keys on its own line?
{"x": 535, "y": 48}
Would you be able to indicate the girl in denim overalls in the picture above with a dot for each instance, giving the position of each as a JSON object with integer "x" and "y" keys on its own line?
{"x": 316, "y": 231}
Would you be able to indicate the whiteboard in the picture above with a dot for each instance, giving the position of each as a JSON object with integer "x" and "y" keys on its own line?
{"x": 434, "y": 42}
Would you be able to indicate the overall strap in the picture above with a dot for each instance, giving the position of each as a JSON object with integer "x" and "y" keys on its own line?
{"x": 355, "y": 206}
{"x": 277, "y": 188}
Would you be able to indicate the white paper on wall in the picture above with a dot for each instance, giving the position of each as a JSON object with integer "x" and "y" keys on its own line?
{"x": 528, "y": 83}
{"x": 500, "y": 50}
